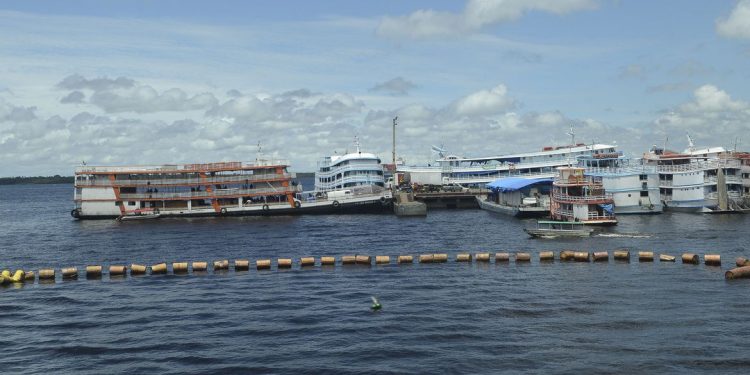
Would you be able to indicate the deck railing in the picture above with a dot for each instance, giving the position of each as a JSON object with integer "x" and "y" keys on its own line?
{"x": 587, "y": 198}
{"x": 208, "y": 195}
{"x": 185, "y": 181}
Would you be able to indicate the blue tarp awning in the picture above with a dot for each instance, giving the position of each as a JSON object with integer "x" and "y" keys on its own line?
{"x": 515, "y": 183}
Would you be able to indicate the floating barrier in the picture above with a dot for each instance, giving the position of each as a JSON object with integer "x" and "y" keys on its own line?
{"x": 241, "y": 264}
{"x": 263, "y": 264}
{"x": 482, "y": 257}
{"x": 364, "y": 259}
{"x": 645, "y": 256}
{"x": 327, "y": 261}
{"x": 46, "y": 274}
{"x": 712, "y": 259}
{"x": 348, "y": 259}
{"x": 523, "y": 257}
{"x": 742, "y": 262}
{"x": 382, "y": 259}
{"x": 690, "y": 258}
{"x": 666, "y": 258}
{"x": 284, "y": 263}
{"x": 69, "y": 273}
{"x": 159, "y": 269}
{"x": 502, "y": 257}
{"x": 601, "y": 256}
{"x": 117, "y": 270}
{"x": 622, "y": 255}
{"x": 179, "y": 267}
{"x": 546, "y": 256}
{"x": 738, "y": 273}
{"x": 567, "y": 255}
{"x": 29, "y": 276}
{"x": 307, "y": 262}
{"x": 221, "y": 265}
{"x": 93, "y": 272}
{"x": 463, "y": 257}
{"x": 137, "y": 269}
{"x": 405, "y": 259}
{"x": 199, "y": 266}
{"x": 425, "y": 258}
{"x": 582, "y": 256}
{"x": 439, "y": 258}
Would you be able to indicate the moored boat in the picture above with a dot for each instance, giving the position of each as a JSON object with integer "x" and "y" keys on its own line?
{"x": 580, "y": 198}
{"x": 555, "y": 229}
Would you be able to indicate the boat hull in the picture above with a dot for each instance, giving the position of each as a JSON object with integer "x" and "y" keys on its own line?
{"x": 545, "y": 233}
{"x": 519, "y": 212}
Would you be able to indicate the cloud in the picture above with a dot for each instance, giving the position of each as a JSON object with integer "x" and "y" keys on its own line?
{"x": 737, "y": 25}
{"x": 485, "y": 102}
{"x": 73, "y": 98}
{"x": 634, "y": 71}
{"x": 145, "y": 99}
{"x": 669, "y": 87}
{"x": 78, "y": 82}
{"x": 427, "y": 23}
{"x": 709, "y": 98}
{"x": 395, "y": 86}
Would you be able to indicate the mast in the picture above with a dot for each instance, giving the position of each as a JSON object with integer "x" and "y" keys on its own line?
{"x": 395, "y": 122}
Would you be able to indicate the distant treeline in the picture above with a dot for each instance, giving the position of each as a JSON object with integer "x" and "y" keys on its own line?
{"x": 56, "y": 179}
{"x": 305, "y": 174}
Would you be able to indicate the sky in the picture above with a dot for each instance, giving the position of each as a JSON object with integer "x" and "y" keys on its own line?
{"x": 168, "y": 82}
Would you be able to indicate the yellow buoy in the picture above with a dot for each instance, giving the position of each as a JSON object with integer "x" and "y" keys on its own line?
{"x": 18, "y": 276}
{"x": 241, "y": 264}
{"x": 566, "y": 255}
{"x": 690, "y": 258}
{"x": 502, "y": 257}
{"x": 117, "y": 270}
{"x": 666, "y": 258}
{"x": 382, "y": 259}
{"x": 463, "y": 257}
{"x": 523, "y": 257}
{"x": 159, "y": 268}
{"x": 137, "y": 269}
{"x": 546, "y": 256}
{"x": 200, "y": 266}
{"x": 425, "y": 258}
{"x": 364, "y": 259}
{"x": 601, "y": 256}
{"x": 221, "y": 265}
{"x": 284, "y": 263}
{"x": 348, "y": 259}
{"x": 737, "y": 273}
{"x": 712, "y": 259}
{"x": 439, "y": 258}
{"x": 179, "y": 267}
{"x": 645, "y": 256}
{"x": 582, "y": 256}
{"x": 327, "y": 261}
{"x": 69, "y": 273}
{"x": 307, "y": 262}
{"x": 742, "y": 262}
{"x": 29, "y": 276}
{"x": 46, "y": 274}
{"x": 405, "y": 259}
{"x": 93, "y": 272}
{"x": 263, "y": 264}
{"x": 482, "y": 257}
{"x": 622, "y": 255}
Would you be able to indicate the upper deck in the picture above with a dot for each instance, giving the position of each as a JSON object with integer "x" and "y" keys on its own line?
{"x": 180, "y": 168}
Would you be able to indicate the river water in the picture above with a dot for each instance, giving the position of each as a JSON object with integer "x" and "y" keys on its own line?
{"x": 436, "y": 318}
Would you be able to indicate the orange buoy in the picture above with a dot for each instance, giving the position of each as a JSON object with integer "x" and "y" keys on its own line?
{"x": 426, "y": 258}
{"x": 69, "y": 273}
{"x": 159, "y": 268}
{"x": 137, "y": 269}
{"x": 179, "y": 267}
{"x": 622, "y": 255}
{"x": 482, "y": 257}
{"x": 307, "y": 262}
{"x": 363, "y": 259}
{"x": 546, "y": 256}
{"x": 690, "y": 258}
{"x": 263, "y": 264}
{"x": 439, "y": 258}
{"x": 382, "y": 259}
{"x": 463, "y": 257}
{"x": 200, "y": 266}
{"x": 601, "y": 256}
{"x": 327, "y": 261}
{"x": 93, "y": 272}
{"x": 284, "y": 263}
{"x": 348, "y": 259}
{"x": 582, "y": 256}
{"x": 645, "y": 256}
{"x": 117, "y": 270}
{"x": 666, "y": 258}
{"x": 712, "y": 259}
{"x": 405, "y": 259}
{"x": 241, "y": 265}
{"x": 523, "y": 257}
{"x": 738, "y": 273}
{"x": 567, "y": 255}
{"x": 502, "y": 257}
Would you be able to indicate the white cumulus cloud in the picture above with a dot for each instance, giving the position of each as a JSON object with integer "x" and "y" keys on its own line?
{"x": 737, "y": 25}
{"x": 486, "y": 102}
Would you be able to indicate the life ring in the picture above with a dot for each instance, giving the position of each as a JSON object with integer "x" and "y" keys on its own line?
{"x": 335, "y": 203}
{"x": 382, "y": 199}
{"x": 265, "y": 207}
{"x": 156, "y": 211}
{"x": 223, "y": 211}
{"x": 75, "y": 213}
{"x": 297, "y": 204}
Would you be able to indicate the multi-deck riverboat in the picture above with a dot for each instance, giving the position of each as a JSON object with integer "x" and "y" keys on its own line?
{"x": 580, "y": 198}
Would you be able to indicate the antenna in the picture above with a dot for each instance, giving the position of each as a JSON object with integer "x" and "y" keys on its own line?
{"x": 691, "y": 145}
{"x": 356, "y": 143}
{"x": 572, "y": 135}
{"x": 666, "y": 139}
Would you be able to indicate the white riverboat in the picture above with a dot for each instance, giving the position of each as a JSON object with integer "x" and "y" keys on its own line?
{"x": 580, "y": 198}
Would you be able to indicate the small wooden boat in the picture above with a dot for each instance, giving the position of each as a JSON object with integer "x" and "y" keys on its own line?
{"x": 555, "y": 229}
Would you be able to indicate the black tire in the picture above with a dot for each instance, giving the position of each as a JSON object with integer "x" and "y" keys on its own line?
{"x": 223, "y": 211}
{"x": 297, "y": 204}
{"x": 265, "y": 207}
{"x": 75, "y": 213}
{"x": 382, "y": 199}
{"x": 336, "y": 203}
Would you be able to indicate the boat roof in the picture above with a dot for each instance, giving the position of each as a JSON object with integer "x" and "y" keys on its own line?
{"x": 516, "y": 183}
{"x": 560, "y": 222}
{"x": 514, "y": 158}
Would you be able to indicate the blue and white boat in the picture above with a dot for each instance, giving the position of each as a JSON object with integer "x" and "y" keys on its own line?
{"x": 519, "y": 197}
